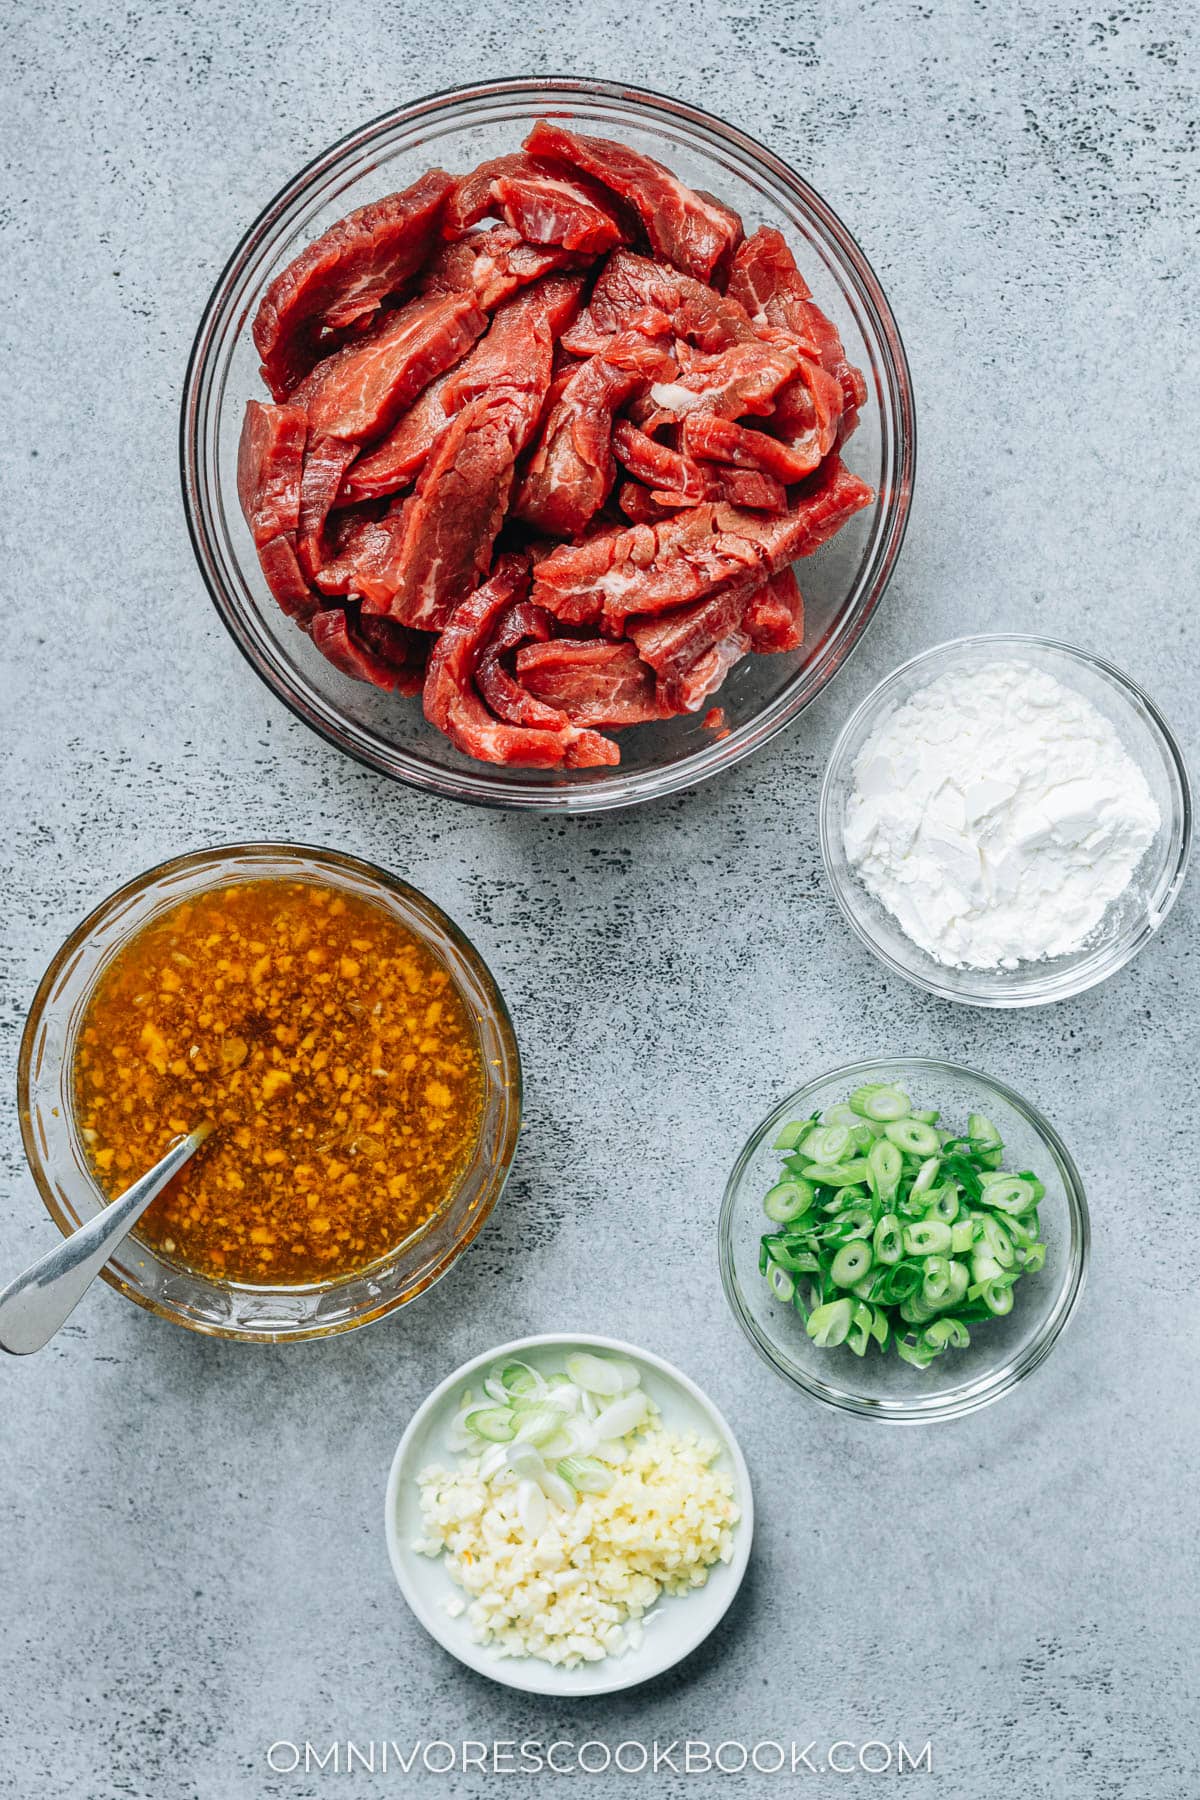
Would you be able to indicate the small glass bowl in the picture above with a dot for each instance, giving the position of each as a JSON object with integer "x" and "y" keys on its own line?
{"x": 170, "y": 1288}
{"x": 1131, "y": 920}
{"x": 843, "y": 583}
{"x": 1002, "y": 1351}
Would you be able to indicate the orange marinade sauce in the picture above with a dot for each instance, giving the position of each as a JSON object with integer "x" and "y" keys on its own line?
{"x": 330, "y": 1049}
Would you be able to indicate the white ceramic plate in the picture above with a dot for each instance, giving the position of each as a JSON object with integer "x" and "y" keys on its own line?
{"x": 681, "y": 1623}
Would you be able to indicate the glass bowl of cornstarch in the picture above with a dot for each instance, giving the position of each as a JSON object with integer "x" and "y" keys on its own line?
{"x": 1006, "y": 820}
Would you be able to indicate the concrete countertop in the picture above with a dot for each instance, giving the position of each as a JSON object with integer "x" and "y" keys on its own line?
{"x": 192, "y": 1563}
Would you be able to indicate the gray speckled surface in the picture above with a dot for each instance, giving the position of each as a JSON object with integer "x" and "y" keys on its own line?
{"x": 191, "y": 1559}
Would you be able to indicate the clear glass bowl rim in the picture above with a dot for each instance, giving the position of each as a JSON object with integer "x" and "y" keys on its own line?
{"x": 333, "y": 861}
{"x": 1022, "y": 1363}
{"x": 1181, "y": 833}
{"x": 617, "y": 790}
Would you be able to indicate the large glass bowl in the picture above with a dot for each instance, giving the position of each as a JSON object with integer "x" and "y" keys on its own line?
{"x": 168, "y": 1287}
{"x": 1130, "y": 921}
{"x": 1002, "y": 1351}
{"x": 842, "y": 583}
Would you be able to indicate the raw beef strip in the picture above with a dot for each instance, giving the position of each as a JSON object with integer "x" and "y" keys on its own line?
{"x": 634, "y": 293}
{"x": 518, "y": 352}
{"x": 692, "y": 648}
{"x": 774, "y": 619}
{"x": 648, "y": 568}
{"x": 325, "y": 463}
{"x": 546, "y": 202}
{"x": 767, "y": 282}
{"x": 694, "y": 231}
{"x": 406, "y": 651}
{"x": 593, "y": 681}
{"x": 493, "y": 264}
{"x": 644, "y": 507}
{"x": 505, "y": 695}
{"x": 663, "y": 469}
{"x": 453, "y": 706}
{"x": 357, "y": 543}
{"x": 443, "y": 536}
{"x": 572, "y": 470}
{"x": 269, "y": 467}
{"x": 712, "y": 439}
{"x": 356, "y": 393}
{"x": 399, "y": 457}
{"x": 342, "y": 279}
{"x": 515, "y": 354}
{"x": 676, "y": 480}
{"x": 645, "y": 568}
{"x": 357, "y": 648}
{"x": 744, "y": 379}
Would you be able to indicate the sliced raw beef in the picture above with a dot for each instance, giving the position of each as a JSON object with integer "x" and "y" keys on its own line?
{"x": 442, "y": 544}
{"x": 764, "y": 277}
{"x": 692, "y": 648}
{"x": 593, "y": 681}
{"x": 512, "y": 355}
{"x": 454, "y": 707}
{"x": 494, "y": 678}
{"x": 711, "y": 439}
{"x": 549, "y": 209}
{"x": 374, "y": 650}
{"x": 546, "y": 202}
{"x": 767, "y": 282}
{"x": 325, "y": 463}
{"x": 662, "y": 468}
{"x": 744, "y": 379}
{"x": 643, "y": 507}
{"x": 695, "y": 232}
{"x": 269, "y": 467}
{"x": 399, "y": 457}
{"x": 518, "y": 352}
{"x": 810, "y": 416}
{"x": 493, "y": 264}
{"x": 342, "y": 279}
{"x": 648, "y": 568}
{"x": 357, "y": 542}
{"x": 357, "y": 393}
{"x": 774, "y": 618}
{"x": 676, "y": 480}
{"x": 634, "y": 293}
{"x": 571, "y": 472}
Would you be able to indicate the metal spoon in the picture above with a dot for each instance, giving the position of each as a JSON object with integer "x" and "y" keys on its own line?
{"x": 37, "y": 1303}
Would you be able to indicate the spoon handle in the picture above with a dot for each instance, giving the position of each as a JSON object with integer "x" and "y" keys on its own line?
{"x": 33, "y": 1307}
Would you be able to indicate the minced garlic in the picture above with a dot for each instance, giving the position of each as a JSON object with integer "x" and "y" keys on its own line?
{"x": 578, "y": 1591}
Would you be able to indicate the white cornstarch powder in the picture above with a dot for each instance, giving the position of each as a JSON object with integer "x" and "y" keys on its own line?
{"x": 996, "y": 815}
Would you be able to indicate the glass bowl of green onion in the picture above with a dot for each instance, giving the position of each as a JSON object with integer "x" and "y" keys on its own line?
{"x": 904, "y": 1238}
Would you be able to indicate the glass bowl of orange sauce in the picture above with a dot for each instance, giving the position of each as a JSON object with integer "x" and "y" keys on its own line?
{"x": 349, "y": 1046}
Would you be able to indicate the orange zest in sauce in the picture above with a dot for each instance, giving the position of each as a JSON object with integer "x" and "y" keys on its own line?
{"x": 329, "y": 1047}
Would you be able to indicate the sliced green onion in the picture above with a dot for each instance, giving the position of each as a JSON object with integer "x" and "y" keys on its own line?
{"x": 830, "y": 1324}
{"x": 886, "y": 1166}
{"x": 788, "y": 1199}
{"x": 791, "y": 1134}
{"x": 827, "y": 1144}
{"x": 887, "y": 1227}
{"x": 1007, "y": 1193}
{"x": 851, "y": 1263}
{"x": 781, "y": 1283}
{"x": 887, "y": 1240}
{"x": 586, "y": 1474}
{"x": 985, "y": 1140}
{"x": 494, "y": 1423}
{"x": 845, "y": 1174}
{"x": 881, "y": 1102}
{"x": 912, "y": 1137}
{"x": 927, "y": 1237}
